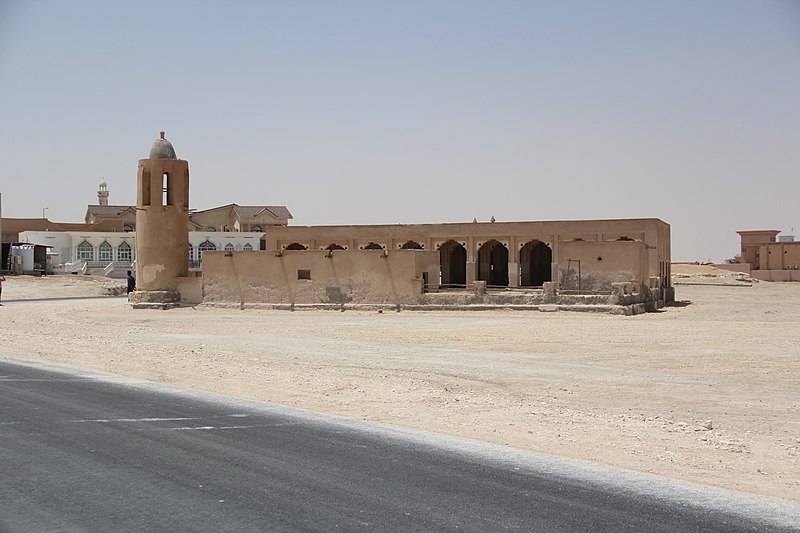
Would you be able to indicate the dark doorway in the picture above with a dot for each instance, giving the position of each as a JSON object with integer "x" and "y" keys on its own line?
{"x": 535, "y": 259}
{"x": 453, "y": 262}
{"x": 493, "y": 263}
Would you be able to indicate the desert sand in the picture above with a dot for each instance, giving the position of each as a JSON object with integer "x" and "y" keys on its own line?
{"x": 705, "y": 391}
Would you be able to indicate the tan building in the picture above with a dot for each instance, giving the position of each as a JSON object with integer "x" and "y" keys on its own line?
{"x": 234, "y": 217}
{"x": 509, "y": 254}
{"x": 618, "y": 261}
{"x": 770, "y": 257}
{"x": 601, "y": 263}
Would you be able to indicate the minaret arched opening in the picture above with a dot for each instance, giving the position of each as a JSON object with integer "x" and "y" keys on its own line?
{"x": 165, "y": 190}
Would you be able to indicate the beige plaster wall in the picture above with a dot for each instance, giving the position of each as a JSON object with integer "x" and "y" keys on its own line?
{"x": 780, "y": 256}
{"x": 653, "y": 232}
{"x": 776, "y": 275}
{"x": 602, "y": 263}
{"x": 344, "y": 277}
{"x": 191, "y": 289}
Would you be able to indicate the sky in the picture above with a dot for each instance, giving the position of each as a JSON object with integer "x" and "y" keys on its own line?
{"x": 368, "y": 112}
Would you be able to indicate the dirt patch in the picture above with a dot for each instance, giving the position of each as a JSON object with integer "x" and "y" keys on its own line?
{"x": 707, "y": 392}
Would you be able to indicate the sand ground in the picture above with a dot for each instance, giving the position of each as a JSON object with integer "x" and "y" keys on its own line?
{"x": 633, "y": 392}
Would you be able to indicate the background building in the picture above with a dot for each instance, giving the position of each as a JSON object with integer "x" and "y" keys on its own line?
{"x": 767, "y": 256}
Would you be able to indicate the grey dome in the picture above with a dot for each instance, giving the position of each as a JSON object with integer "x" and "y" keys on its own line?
{"x": 162, "y": 149}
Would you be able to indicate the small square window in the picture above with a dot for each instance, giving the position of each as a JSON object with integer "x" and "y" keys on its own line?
{"x": 303, "y": 274}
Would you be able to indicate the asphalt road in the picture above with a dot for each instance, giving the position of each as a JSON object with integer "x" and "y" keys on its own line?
{"x": 81, "y": 451}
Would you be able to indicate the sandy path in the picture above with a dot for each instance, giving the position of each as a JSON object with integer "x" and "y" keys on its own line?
{"x": 627, "y": 391}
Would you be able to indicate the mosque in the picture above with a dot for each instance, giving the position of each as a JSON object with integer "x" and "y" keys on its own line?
{"x": 626, "y": 260}
{"x": 251, "y": 255}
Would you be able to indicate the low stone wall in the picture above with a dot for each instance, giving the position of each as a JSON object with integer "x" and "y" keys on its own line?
{"x": 775, "y": 275}
{"x": 626, "y": 298}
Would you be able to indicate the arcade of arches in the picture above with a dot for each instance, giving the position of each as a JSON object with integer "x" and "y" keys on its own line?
{"x": 507, "y": 254}
{"x": 535, "y": 259}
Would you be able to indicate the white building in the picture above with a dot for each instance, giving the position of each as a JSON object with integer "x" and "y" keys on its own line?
{"x": 113, "y": 253}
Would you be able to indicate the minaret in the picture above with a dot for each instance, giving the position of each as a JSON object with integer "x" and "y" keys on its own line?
{"x": 102, "y": 192}
{"x": 162, "y": 221}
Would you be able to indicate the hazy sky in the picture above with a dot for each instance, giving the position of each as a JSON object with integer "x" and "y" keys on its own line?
{"x": 352, "y": 112}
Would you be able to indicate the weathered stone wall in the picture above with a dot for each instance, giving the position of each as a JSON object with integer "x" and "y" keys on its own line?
{"x": 340, "y": 277}
{"x": 602, "y": 263}
{"x": 191, "y": 289}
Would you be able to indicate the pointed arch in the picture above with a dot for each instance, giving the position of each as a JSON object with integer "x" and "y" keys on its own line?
{"x": 535, "y": 260}
{"x": 453, "y": 263}
{"x": 493, "y": 263}
{"x": 205, "y": 246}
{"x": 106, "y": 252}
{"x": 124, "y": 252}
{"x": 85, "y": 251}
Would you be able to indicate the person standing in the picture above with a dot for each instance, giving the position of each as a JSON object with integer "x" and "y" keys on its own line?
{"x": 131, "y": 282}
{"x": 2, "y": 279}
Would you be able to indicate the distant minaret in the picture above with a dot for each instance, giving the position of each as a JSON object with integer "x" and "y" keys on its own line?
{"x": 102, "y": 193}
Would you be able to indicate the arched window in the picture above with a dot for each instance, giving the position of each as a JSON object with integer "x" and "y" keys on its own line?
{"x": 229, "y": 247}
{"x": 373, "y": 246}
{"x": 256, "y": 228}
{"x": 127, "y": 229}
{"x": 411, "y": 245}
{"x": 124, "y": 252}
{"x": 334, "y": 246}
{"x": 247, "y": 247}
{"x": 106, "y": 252}
{"x": 191, "y": 252}
{"x": 296, "y": 246}
{"x": 205, "y": 247}
{"x": 85, "y": 251}
{"x": 211, "y": 228}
